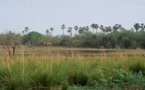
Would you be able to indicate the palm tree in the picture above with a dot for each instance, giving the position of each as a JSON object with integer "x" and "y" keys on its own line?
{"x": 47, "y": 32}
{"x": 51, "y": 29}
{"x": 23, "y": 32}
{"x": 76, "y": 28}
{"x": 97, "y": 26}
{"x": 70, "y": 31}
{"x": 142, "y": 27}
{"x": 137, "y": 26}
{"x": 122, "y": 29}
{"x": 116, "y": 27}
{"x": 87, "y": 28}
{"x": 80, "y": 31}
{"x": 63, "y": 27}
{"x": 26, "y": 29}
{"x": 108, "y": 29}
{"x": 102, "y": 28}
{"x": 93, "y": 27}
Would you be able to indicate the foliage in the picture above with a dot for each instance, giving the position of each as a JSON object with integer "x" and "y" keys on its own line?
{"x": 44, "y": 73}
{"x": 34, "y": 38}
{"x": 124, "y": 39}
{"x": 109, "y": 37}
{"x": 65, "y": 41}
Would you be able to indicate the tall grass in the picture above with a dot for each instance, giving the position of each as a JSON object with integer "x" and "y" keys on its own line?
{"x": 63, "y": 70}
{"x": 46, "y": 73}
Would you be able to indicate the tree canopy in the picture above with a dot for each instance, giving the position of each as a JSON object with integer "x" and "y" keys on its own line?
{"x": 115, "y": 36}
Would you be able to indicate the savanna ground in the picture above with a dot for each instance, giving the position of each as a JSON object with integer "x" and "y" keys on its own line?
{"x": 58, "y": 68}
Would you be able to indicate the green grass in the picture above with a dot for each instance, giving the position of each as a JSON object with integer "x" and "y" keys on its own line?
{"x": 72, "y": 73}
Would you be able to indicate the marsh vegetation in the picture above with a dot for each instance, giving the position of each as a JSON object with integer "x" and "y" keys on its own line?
{"x": 70, "y": 71}
{"x": 111, "y": 59}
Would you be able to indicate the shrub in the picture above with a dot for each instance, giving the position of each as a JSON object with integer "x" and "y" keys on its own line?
{"x": 137, "y": 67}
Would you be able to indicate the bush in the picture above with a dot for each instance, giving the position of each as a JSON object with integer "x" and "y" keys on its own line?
{"x": 80, "y": 78}
{"x": 137, "y": 67}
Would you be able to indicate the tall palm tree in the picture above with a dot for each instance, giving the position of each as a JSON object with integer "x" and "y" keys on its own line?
{"x": 47, "y": 32}
{"x": 137, "y": 26}
{"x": 108, "y": 29}
{"x": 122, "y": 29}
{"x": 51, "y": 29}
{"x": 23, "y": 32}
{"x": 80, "y": 31}
{"x": 87, "y": 28}
{"x": 76, "y": 29}
{"x": 102, "y": 28}
{"x": 26, "y": 29}
{"x": 116, "y": 27}
{"x": 63, "y": 27}
{"x": 96, "y": 27}
{"x": 93, "y": 27}
{"x": 70, "y": 31}
{"x": 142, "y": 26}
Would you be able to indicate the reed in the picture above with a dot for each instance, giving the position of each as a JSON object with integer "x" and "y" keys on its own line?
{"x": 62, "y": 72}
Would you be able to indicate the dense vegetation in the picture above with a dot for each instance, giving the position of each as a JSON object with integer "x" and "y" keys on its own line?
{"x": 109, "y": 37}
{"x": 72, "y": 73}
{"x": 58, "y": 71}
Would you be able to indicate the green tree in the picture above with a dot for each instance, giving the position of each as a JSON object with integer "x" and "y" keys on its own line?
{"x": 23, "y": 32}
{"x": 47, "y": 32}
{"x": 66, "y": 41}
{"x": 70, "y": 31}
{"x": 122, "y": 29}
{"x": 34, "y": 38}
{"x": 56, "y": 40}
{"x": 116, "y": 27}
{"x": 108, "y": 29}
{"x": 87, "y": 28}
{"x": 26, "y": 29}
{"x": 51, "y": 29}
{"x": 93, "y": 27}
{"x": 83, "y": 30}
{"x": 102, "y": 28}
{"x": 86, "y": 40}
{"x": 142, "y": 26}
{"x": 76, "y": 29}
{"x": 80, "y": 31}
{"x": 63, "y": 27}
{"x": 137, "y": 26}
{"x": 47, "y": 35}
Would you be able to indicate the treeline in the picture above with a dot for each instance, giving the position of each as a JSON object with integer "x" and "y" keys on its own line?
{"x": 108, "y": 37}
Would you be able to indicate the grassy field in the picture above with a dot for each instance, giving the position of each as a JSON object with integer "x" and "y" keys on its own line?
{"x": 72, "y": 71}
{"x": 62, "y": 51}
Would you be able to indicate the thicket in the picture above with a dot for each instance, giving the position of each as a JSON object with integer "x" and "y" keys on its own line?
{"x": 108, "y": 37}
{"x": 126, "y": 39}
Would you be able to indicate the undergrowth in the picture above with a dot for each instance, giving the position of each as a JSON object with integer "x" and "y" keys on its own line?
{"x": 72, "y": 73}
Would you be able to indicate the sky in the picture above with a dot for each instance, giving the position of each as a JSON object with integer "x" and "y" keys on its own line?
{"x": 40, "y": 15}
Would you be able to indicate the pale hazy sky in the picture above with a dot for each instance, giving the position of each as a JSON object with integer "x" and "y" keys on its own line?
{"x": 39, "y": 15}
